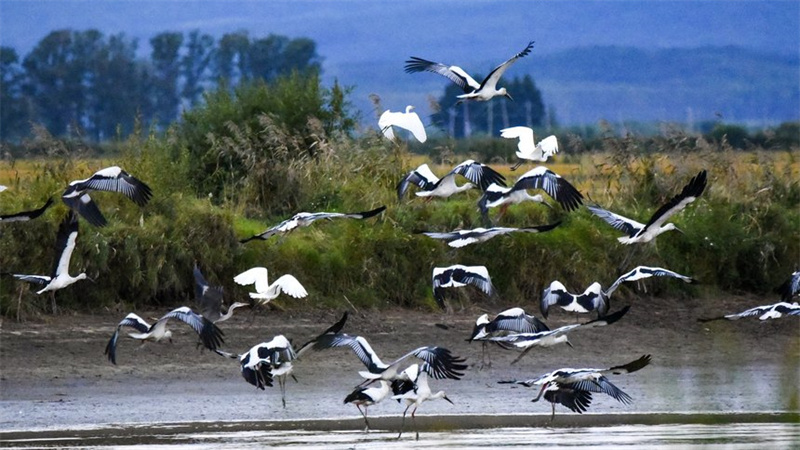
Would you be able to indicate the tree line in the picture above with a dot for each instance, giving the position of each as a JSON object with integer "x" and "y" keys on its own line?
{"x": 96, "y": 86}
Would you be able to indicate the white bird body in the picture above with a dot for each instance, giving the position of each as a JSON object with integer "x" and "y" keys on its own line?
{"x": 483, "y": 91}
{"x": 640, "y": 233}
{"x": 210, "y": 335}
{"x": 513, "y": 320}
{"x": 430, "y": 185}
{"x": 527, "y": 149}
{"x": 407, "y": 120}
{"x": 265, "y": 291}
{"x": 458, "y": 276}
{"x": 643, "y": 272}
{"x": 368, "y": 396}
{"x": 112, "y": 179}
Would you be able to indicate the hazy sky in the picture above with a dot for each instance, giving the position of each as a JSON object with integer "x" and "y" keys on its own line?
{"x": 355, "y": 37}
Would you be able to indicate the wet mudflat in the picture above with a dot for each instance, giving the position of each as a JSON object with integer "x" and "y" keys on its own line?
{"x": 54, "y": 377}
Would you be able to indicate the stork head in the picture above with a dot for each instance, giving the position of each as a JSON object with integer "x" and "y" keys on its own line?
{"x": 443, "y": 396}
{"x": 671, "y": 226}
{"x": 502, "y": 91}
{"x": 168, "y": 335}
{"x": 409, "y": 108}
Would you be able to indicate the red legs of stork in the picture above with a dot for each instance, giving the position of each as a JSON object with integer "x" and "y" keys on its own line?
{"x": 413, "y": 421}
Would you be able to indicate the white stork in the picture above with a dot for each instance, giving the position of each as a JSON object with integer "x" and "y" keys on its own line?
{"x": 589, "y": 380}
{"x": 789, "y": 288}
{"x": 112, "y": 179}
{"x": 408, "y": 120}
{"x": 430, "y": 185}
{"x": 483, "y": 91}
{"x": 765, "y": 312}
{"x": 513, "y": 320}
{"x": 637, "y": 232}
{"x": 305, "y": 219}
{"x": 459, "y": 276}
{"x": 266, "y": 292}
{"x": 419, "y": 393}
{"x": 526, "y": 341}
{"x": 26, "y": 215}
{"x": 210, "y": 334}
{"x": 527, "y": 149}
{"x": 538, "y": 178}
{"x": 462, "y": 238}
{"x": 60, "y": 277}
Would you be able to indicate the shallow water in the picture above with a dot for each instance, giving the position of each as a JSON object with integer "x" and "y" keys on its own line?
{"x": 665, "y": 436}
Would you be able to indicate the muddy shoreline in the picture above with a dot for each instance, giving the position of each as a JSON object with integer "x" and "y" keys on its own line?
{"x": 54, "y": 374}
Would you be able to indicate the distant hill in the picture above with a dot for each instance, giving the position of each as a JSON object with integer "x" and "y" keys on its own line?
{"x": 584, "y": 85}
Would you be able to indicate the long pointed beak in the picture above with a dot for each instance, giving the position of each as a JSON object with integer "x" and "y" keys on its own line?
{"x": 510, "y": 97}
{"x": 570, "y": 344}
{"x": 451, "y": 402}
{"x": 679, "y": 230}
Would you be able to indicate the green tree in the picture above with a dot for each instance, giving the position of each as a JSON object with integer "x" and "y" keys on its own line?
{"x": 166, "y": 61}
{"x": 195, "y": 65}
{"x": 14, "y": 105}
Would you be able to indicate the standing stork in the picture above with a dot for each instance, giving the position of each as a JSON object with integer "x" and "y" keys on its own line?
{"x": 430, "y": 185}
{"x": 417, "y": 393}
{"x": 210, "y": 334}
{"x": 59, "y": 277}
{"x": 368, "y": 396}
{"x": 789, "y": 288}
{"x": 408, "y": 120}
{"x": 305, "y": 219}
{"x": 483, "y": 91}
{"x": 640, "y": 233}
{"x": 112, "y": 179}
{"x": 527, "y": 149}
{"x": 459, "y": 276}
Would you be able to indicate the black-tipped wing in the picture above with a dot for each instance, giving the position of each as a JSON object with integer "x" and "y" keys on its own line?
{"x": 210, "y": 334}
{"x": 442, "y": 363}
{"x": 497, "y": 72}
{"x": 453, "y": 73}
{"x": 555, "y": 294}
{"x": 131, "y": 320}
{"x": 422, "y": 177}
{"x": 331, "y": 331}
{"x": 209, "y": 298}
{"x": 601, "y": 385}
{"x": 85, "y": 206}
{"x": 36, "y": 279}
{"x": 456, "y": 276}
{"x": 27, "y": 215}
{"x": 114, "y": 179}
{"x": 688, "y": 194}
{"x": 479, "y": 174}
{"x": 624, "y": 224}
{"x": 516, "y": 321}
{"x": 577, "y": 400}
{"x": 632, "y": 366}
{"x": 366, "y": 214}
{"x": 358, "y": 344}
{"x": 557, "y": 187}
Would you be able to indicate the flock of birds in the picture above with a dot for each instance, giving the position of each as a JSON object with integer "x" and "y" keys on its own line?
{"x": 406, "y": 379}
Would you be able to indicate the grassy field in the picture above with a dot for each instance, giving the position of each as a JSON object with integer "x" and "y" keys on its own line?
{"x": 742, "y": 235}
